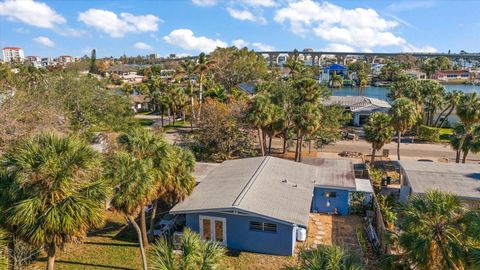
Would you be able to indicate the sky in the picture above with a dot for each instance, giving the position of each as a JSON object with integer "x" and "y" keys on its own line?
{"x": 188, "y": 27}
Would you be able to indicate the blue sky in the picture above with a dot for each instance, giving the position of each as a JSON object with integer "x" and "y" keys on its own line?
{"x": 53, "y": 28}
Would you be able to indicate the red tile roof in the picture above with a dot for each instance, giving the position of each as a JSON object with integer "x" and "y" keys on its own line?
{"x": 12, "y": 48}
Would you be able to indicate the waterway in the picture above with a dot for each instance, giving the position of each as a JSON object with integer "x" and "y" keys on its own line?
{"x": 381, "y": 92}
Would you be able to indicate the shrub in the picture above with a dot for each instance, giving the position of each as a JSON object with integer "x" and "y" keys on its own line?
{"x": 428, "y": 134}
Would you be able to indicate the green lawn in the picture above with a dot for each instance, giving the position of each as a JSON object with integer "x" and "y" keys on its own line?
{"x": 177, "y": 124}
{"x": 445, "y": 134}
{"x": 145, "y": 122}
{"x": 115, "y": 247}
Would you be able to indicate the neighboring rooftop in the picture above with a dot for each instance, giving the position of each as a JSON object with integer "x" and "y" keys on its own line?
{"x": 247, "y": 87}
{"x": 122, "y": 68}
{"x": 266, "y": 186}
{"x": 462, "y": 180}
{"x": 358, "y": 104}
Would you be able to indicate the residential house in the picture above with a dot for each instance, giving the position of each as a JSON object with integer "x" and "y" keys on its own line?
{"x": 35, "y": 61}
{"x": 258, "y": 204}
{"x": 360, "y": 106}
{"x": 416, "y": 74}
{"x": 127, "y": 73}
{"x": 463, "y": 180}
{"x": 48, "y": 61}
{"x": 140, "y": 102}
{"x": 65, "y": 59}
{"x": 328, "y": 71}
{"x": 451, "y": 75}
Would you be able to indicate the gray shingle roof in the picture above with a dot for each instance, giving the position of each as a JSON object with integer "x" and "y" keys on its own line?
{"x": 333, "y": 172}
{"x": 267, "y": 186}
{"x": 358, "y": 103}
{"x": 462, "y": 180}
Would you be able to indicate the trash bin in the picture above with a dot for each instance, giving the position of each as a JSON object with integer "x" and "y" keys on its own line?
{"x": 386, "y": 152}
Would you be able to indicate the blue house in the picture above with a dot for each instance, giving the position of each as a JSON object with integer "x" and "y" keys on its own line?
{"x": 328, "y": 71}
{"x": 258, "y": 204}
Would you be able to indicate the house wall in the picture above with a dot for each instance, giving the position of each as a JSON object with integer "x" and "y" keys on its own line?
{"x": 240, "y": 237}
{"x": 340, "y": 202}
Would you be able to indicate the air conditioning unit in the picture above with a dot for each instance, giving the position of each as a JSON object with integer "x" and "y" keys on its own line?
{"x": 301, "y": 234}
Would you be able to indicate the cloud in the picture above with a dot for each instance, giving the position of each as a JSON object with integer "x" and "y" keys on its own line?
{"x": 143, "y": 46}
{"x": 336, "y": 47}
{"x": 425, "y": 49}
{"x": 240, "y": 43}
{"x": 356, "y": 28}
{"x": 245, "y": 15}
{"x": 204, "y": 3}
{"x": 45, "y": 41}
{"x": 185, "y": 38}
{"x": 118, "y": 26}
{"x": 32, "y": 13}
{"x": 260, "y": 3}
{"x": 263, "y": 47}
{"x": 410, "y": 5}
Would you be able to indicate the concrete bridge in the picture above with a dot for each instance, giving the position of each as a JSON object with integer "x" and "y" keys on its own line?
{"x": 341, "y": 57}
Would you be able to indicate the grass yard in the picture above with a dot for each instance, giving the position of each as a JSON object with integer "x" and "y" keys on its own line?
{"x": 144, "y": 122}
{"x": 445, "y": 134}
{"x": 115, "y": 247}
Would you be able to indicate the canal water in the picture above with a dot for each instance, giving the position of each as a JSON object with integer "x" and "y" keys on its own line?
{"x": 381, "y": 92}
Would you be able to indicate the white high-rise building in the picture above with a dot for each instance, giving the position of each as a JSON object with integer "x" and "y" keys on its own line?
{"x": 13, "y": 54}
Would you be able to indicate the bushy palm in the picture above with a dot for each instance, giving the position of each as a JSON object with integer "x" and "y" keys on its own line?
{"x": 452, "y": 99}
{"x": 196, "y": 254}
{"x": 471, "y": 143}
{"x": 437, "y": 233}
{"x": 3, "y": 249}
{"x": 327, "y": 258}
{"x": 378, "y": 132}
{"x": 51, "y": 191}
{"x": 404, "y": 116}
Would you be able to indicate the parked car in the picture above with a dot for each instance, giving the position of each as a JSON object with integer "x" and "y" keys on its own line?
{"x": 168, "y": 224}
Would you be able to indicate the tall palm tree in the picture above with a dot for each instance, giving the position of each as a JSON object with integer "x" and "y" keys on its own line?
{"x": 452, "y": 99}
{"x": 437, "y": 232}
{"x": 327, "y": 258}
{"x": 404, "y": 116}
{"x": 261, "y": 115}
{"x": 177, "y": 179}
{"x": 378, "y": 132}
{"x": 433, "y": 94}
{"x": 151, "y": 149}
{"x": 188, "y": 68}
{"x": 196, "y": 254}
{"x": 468, "y": 110}
{"x": 54, "y": 195}
{"x": 202, "y": 68}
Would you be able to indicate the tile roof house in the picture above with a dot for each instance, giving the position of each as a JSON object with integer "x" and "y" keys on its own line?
{"x": 360, "y": 106}
{"x": 258, "y": 204}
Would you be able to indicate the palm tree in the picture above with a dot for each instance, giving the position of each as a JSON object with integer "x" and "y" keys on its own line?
{"x": 151, "y": 149}
{"x": 452, "y": 99}
{"x": 378, "y": 132}
{"x": 327, "y": 258}
{"x": 261, "y": 115}
{"x": 295, "y": 66}
{"x": 188, "y": 68}
{"x": 202, "y": 67}
{"x": 471, "y": 144}
{"x": 433, "y": 94}
{"x": 437, "y": 232}
{"x": 54, "y": 195}
{"x": 404, "y": 116}
{"x": 468, "y": 110}
{"x": 196, "y": 254}
{"x": 134, "y": 185}
{"x": 177, "y": 179}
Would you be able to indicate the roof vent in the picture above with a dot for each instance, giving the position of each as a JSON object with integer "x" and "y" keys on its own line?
{"x": 284, "y": 181}
{"x": 294, "y": 185}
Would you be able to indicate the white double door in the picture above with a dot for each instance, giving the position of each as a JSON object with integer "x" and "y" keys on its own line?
{"x": 213, "y": 229}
